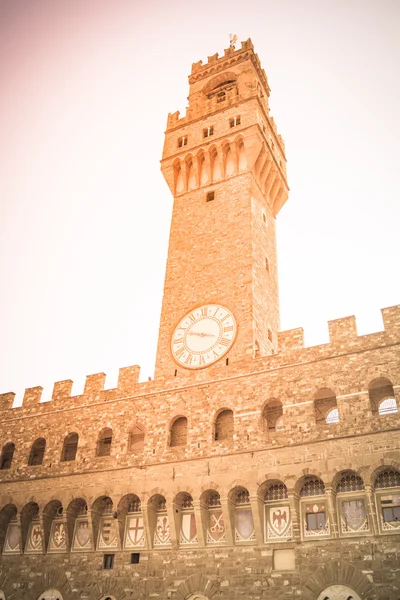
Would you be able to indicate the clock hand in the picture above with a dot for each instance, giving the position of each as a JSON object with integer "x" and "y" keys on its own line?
{"x": 201, "y": 334}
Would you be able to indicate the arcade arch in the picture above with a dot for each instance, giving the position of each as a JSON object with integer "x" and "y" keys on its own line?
{"x": 338, "y": 592}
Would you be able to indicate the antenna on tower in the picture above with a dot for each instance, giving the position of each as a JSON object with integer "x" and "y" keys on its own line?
{"x": 232, "y": 40}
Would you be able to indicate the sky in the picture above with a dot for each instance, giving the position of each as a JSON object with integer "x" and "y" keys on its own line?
{"x": 85, "y": 90}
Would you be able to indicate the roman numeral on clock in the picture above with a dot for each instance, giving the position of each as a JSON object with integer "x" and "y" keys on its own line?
{"x": 224, "y": 342}
{"x": 180, "y": 351}
{"x": 228, "y": 328}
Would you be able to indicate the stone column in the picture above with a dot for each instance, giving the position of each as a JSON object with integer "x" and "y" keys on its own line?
{"x": 332, "y": 513}
{"x": 257, "y": 507}
{"x": 371, "y": 510}
{"x": 226, "y": 506}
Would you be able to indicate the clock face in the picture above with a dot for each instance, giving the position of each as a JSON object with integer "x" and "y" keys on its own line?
{"x": 203, "y": 336}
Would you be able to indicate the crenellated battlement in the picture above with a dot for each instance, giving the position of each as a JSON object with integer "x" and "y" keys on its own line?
{"x": 343, "y": 339}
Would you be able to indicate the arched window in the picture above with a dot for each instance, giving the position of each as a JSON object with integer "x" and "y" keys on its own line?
{"x": 387, "y": 489}
{"x": 51, "y": 594}
{"x": 350, "y": 482}
{"x": 313, "y": 508}
{"x": 159, "y": 522}
{"x": 325, "y": 407}
{"x": 273, "y": 415}
{"x": 70, "y": 447}
{"x": 185, "y": 519}
{"x": 37, "y": 452}
{"x": 31, "y": 529}
{"x": 136, "y": 440}
{"x": 79, "y": 530}
{"x": 244, "y": 524}
{"x": 216, "y": 533}
{"x": 381, "y": 396}
{"x": 7, "y": 456}
{"x": 104, "y": 442}
{"x": 277, "y": 517}
{"x": 352, "y": 506}
{"x": 178, "y": 436}
{"x": 223, "y": 427}
{"x": 131, "y": 515}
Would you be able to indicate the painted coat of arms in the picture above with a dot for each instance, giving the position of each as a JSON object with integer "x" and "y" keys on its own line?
{"x": 162, "y": 534}
{"x": 134, "y": 532}
{"x": 244, "y": 530}
{"x": 108, "y": 533}
{"x": 354, "y": 516}
{"x": 278, "y": 522}
{"x": 82, "y": 540}
{"x": 188, "y": 529}
{"x": 57, "y": 542}
{"x": 216, "y": 527}
{"x": 11, "y": 544}
{"x": 34, "y": 541}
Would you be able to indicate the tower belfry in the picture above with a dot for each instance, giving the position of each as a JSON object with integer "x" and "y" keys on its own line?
{"x": 225, "y": 165}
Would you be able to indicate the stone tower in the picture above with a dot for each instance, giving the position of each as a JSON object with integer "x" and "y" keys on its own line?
{"x": 225, "y": 164}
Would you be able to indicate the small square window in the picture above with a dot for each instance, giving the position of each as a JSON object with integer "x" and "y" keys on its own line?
{"x": 315, "y": 521}
{"x": 182, "y": 141}
{"x": 264, "y": 217}
{"x": 208, "y": 131}
{"x": 267, "y": 264}
{"x": 108, "y": 562}
{"x": 210, "y": 196}
{"x": 234, "y": 121}
{"x": 135, "y": 558}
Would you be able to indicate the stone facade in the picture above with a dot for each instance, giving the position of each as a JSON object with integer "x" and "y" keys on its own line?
{"x": 273, "y": 473}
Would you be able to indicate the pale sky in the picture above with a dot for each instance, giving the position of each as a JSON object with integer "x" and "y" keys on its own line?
{"x": 85, "y": 90}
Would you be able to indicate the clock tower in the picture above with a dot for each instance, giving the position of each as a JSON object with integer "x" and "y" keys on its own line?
{"x": 225, "y": 164}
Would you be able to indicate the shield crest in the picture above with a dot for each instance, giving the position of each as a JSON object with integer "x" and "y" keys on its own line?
{"x": 162, "y": 534}
{"x": 57, "y": 536}
{"x": 354, "y": 514}
{"x": 216, "y": 527}
{"x": 244, "y": 525}
{"x": 12, "y": 539}
{"x": 82, "y": 535}
{"x": 279, "y": 519}
{"x": 188, "y": 529}
{"x": 35, "y": 538}
{"x": 108, "y": 533}
{"x": 134, "y": 532}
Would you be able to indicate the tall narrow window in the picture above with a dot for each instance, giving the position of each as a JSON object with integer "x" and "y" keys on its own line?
{"x": 179, "y": 432}
{"x": 208, "y": 131}
{"x": 70, "y": 447}
{"x": 37, "y": 452}
{"x": 182, "y": 141}
{"x": 224, "y": 426}
{"x": 104, "y": 442}
{"x": 7, "y": 456}
{"x": 234, "y": 121}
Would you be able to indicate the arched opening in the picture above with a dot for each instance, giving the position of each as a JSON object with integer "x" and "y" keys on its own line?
{"x": 51, "y": 594}
{"x": 79, "y": 530}
{"x": 352, "y": 505}
{"x": 104, "y": 442}
{"x": 178, "y": 433}
{"x": 273, "y": 415}
{"x": 387, "y": 491}
{"x": 381, "y": 396}
{"x": 70, "y": 447}
{"x": 277, "y": 512}
{"x": 7, "y": 456}
{"x": 37, "y": 452}
{"x": 313, "y": 507}
{"x": 131, "y": 521}
{"x": 136, "y": 440}
{"x": 178, "y": 177}
{"x": 54, "y": 526}
{"x": 158, "y": 520}
{"x": 31, "y": 529}
{"x": 243, "y": 516}
{"x": 185, "y": 519}
{"x": 215, "y": 165}
{"x": 105, "y": 524}
{"x": 191, "y": 182}
{"x": 338, "y": 592}
{"x": 202, "y": 168}
{"x": 9, "y": 531}
{"x": 325, "y": 407}
{"x": 223, "y": 426}
{"x": 213, "y": 517}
